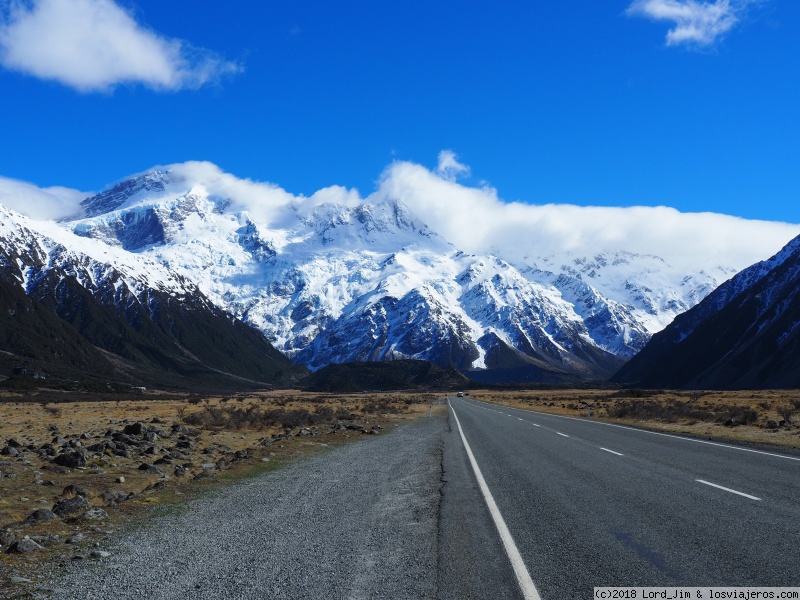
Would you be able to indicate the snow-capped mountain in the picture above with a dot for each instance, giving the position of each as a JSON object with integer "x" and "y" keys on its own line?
{"x": 124, "y": 303}
{"x": 335, "y": 280}
{"x": 745, "y": 334}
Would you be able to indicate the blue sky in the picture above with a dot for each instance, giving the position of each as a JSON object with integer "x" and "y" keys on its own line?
{"x": 688, "y": 104}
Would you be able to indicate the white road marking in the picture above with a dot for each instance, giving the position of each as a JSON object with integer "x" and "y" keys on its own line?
{"x": 524, "y": 580}
{"x": 535, "y": 424}
{"x": 518, "y": 419}
{"x": 562, "y": 434}
{"x": 669, "y": 435}
{"x": 612, "y": 452}
{"x": 726, "y": 489}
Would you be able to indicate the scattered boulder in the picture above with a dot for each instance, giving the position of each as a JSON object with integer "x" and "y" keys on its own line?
{"x": 95, "y": 514}
{"x": 75, "y": 489}
{"x": 46, "y": 540}
{"x": 41, "y": 516}
{"x": 137, "y": 428}
{"x": 9, "y": 451}
{"x": 113, "y": 497}
{"x": 150, "y": 469}
{"x": 7, "y": 537}
{"x": 159, "y": 485}
{"x": 24, "y": 546}
{"x": 71, "y": 460}
{"x": 71, "y": 507}
{"x": 205, "y": 474}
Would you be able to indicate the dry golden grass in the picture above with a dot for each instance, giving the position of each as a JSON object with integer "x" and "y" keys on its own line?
{"x": 710, "y": 414}
{"x": 30, "y": 481}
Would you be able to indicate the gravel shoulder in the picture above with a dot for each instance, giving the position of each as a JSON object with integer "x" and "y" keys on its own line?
{"x": 360, "y": 521}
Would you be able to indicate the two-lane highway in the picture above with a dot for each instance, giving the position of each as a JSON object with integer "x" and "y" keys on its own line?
{"x": 590, "y": 504}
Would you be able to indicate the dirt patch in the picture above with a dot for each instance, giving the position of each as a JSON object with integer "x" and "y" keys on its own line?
{"x": 758, "y": 417}
{"x": 98, "y": 462}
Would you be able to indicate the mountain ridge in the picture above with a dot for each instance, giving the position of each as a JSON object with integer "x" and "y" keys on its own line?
{"x": 329, "y": 279}
{"x": 745, "y": 334}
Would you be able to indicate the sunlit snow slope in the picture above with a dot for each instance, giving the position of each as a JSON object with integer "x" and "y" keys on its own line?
{"x": 334, "y": 280}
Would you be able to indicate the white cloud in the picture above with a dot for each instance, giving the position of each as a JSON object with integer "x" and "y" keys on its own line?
{"x": 266, "y": 203}
{"x": 449, "y": 168}
{"x": 52, "y": 203}
{"x": 94, "y": 45}
{"x": 696, "y": 23}
{"x": 474, "y": 219}
{"x": 477, "y": 220}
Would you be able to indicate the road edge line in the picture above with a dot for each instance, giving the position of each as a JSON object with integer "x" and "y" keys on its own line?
{"x": 730, "y": 445}
{"x": 524, "y": 580}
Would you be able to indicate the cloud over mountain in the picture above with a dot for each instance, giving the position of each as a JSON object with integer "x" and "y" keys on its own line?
{"x": 43, "y": 204}
{"x": 474, "y": 218}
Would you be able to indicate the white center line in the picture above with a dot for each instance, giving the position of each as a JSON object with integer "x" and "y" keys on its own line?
{"x": 524, "y": 580}
{"x": 612, "y": 452}
{"x": 719, "y": 487}
{"x": 535, "y": 424}
{"x": 518, "y": 419}
{"x": 669, "y": 435}
{"x": 562, "y": 434}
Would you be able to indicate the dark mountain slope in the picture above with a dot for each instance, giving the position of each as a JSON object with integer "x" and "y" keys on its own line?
{"x": 744, "y": 335}
{"x": 75, "y": 307}
{"x": 31, "y": 335}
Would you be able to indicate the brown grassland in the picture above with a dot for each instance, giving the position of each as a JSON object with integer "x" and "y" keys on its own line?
{"x": 195, "y": 442}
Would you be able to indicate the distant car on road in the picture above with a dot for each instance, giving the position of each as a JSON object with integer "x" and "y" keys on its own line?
{"x": 460, "y": 395}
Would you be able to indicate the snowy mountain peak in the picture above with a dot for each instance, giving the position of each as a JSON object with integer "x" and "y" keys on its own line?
{"x": 147, "y": 184}
{"x": 381, "y": 226}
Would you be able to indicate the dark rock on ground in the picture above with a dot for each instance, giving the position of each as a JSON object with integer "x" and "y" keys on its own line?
{"x": 71, "y": 507}
{"x": 137, "y": 428}
{"x": 23, "y": 546}
{"x": 41, "y": 516}
{"x": 150, "y": 469}
{"x": 71, "y": 460}
{"x": 75, "y": 489}
{"x": 7, "y": 537}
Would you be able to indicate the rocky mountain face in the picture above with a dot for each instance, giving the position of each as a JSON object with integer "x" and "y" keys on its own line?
{"x": 333, "y": 282}
{"x": 80, "y": 308}
{"x": 745, "y": 334}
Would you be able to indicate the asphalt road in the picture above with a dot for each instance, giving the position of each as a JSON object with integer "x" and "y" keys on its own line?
{"x": 403, "y": 515}
{"x": 589, "y": 504}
